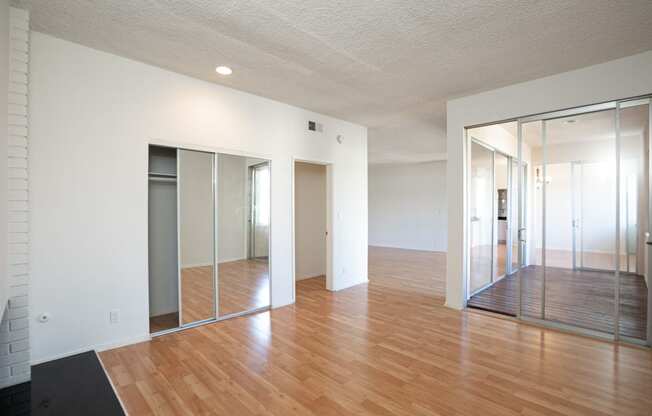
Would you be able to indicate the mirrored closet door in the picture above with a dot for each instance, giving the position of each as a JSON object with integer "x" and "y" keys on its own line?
{"x": 209, "y": 228}
{"x": 196, "y": 235}
{"x": 243, "y": 194}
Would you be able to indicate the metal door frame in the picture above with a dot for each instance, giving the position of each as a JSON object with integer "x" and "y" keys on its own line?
{"x": 522, "y": 215}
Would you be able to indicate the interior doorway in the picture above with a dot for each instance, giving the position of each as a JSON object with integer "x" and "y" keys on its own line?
{"x": 312, "y": 236}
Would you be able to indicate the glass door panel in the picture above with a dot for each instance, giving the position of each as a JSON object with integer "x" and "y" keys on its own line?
{"x": 596, "y": 215}
{"x": 196, "y": 235}
{"x": 634, "y": 207}
{"x": 531, "y": 222}
{"x": 502, "y": 166}
{"x": 579, "y": 218}
{"x": 481, "y": 217}
{"x": 243, "y": 194}
{"x": 513, "y": 216}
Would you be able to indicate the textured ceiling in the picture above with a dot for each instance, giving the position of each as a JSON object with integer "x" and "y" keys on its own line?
{"x": 389, "y": 65}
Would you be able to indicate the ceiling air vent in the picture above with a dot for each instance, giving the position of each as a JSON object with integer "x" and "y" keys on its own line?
{"x": 314, "y": 126}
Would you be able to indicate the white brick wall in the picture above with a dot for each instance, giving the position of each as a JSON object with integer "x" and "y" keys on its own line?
{"x": 14, "y": 329}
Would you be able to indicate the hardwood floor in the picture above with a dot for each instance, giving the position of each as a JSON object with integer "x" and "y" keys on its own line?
{"x": 580, "y": 298}
{"x": 376, "y": 350}
{"x": 410, "y": 270}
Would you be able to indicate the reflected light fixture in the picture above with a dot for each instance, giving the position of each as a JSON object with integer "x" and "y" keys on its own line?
{"x": 223, "y": 70}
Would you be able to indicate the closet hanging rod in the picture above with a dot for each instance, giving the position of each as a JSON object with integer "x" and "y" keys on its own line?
{"x": 162, "y": 175}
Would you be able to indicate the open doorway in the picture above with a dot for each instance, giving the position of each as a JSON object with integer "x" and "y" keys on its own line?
{"x": 311, "y": 226}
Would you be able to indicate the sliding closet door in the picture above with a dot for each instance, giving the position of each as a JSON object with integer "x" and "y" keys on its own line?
{"x": 196, "y": 235}
{"x": 243, "y": 194}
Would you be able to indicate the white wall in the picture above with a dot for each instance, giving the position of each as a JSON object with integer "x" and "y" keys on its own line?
{"x": 310, "y": 201}
{"x": 407, "y": 206}
{"x": 93, "y": 115}
{"x": 627, "y": 77}
{"x": 4, "y": 93}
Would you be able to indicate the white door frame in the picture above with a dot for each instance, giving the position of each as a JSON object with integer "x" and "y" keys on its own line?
{"x": 330, "y": 167}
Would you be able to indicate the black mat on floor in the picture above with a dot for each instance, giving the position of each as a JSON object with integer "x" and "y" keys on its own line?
{"x": 70, "y": 386}
{"x": 15, "y": 400}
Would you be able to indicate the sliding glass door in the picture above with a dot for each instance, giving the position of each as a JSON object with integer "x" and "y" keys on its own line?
{"x": 493, "y": 221}
{"x": 482, "y": 217}
{"x": 585, "y": 266}
{"x": 559, "y": 209}
{"x": 633, "y": 286}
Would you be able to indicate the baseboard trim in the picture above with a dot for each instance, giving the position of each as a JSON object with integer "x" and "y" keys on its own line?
{"x": 361, "y": 282}
{"x": 410, "y": 249}
{"x": 95, "y": 347}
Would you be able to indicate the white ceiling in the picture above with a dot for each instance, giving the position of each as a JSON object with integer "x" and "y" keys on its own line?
{"x": 390, "y": 65}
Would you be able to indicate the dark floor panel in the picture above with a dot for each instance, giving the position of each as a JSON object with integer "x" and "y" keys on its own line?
{"x": 581, "y": 298}
{"x": 71, "y": 386}
{"x": 15, "y": 400}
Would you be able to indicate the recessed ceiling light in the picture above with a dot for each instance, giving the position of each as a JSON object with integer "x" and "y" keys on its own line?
{"x": 570, "y": 121}
{"x": 223, "y": 70}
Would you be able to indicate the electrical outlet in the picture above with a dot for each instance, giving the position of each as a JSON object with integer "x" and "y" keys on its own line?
{"x": 114, "y": 316}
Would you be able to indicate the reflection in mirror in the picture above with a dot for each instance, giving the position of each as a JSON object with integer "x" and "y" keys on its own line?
{"x": 243, "y": 195}
{"x": 196, "y": 227}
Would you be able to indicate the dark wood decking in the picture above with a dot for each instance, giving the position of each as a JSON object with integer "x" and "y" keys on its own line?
{"x": 580, "y": 298}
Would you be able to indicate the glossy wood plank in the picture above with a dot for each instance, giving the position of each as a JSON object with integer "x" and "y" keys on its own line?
{"x": 377, "y": 350}
{"x": 411, "y": 270}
